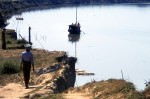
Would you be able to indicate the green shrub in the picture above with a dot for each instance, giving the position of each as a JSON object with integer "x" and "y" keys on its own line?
{"x": 9, "y": 66}
{"x": 8, "y": 42}
{"x": 21, "y": 41}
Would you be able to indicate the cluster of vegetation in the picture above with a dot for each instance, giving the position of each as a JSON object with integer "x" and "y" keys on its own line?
{"x": 15, "y": 5}
{"x": 147, "y": 83}
{"x": 86, "y": 1}
{"x": 9, "y": 66}
{"x": 112, "y": 89}
{"x": 21, "y": 41}
{"x": 11, "y": 40}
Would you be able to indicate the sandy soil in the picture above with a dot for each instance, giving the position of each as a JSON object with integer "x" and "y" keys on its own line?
{"x": 17, "y": 91}
{"x": 13, "y": 91}
{"x": 76, "y": 96}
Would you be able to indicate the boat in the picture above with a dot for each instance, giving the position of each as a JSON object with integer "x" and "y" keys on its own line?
{"x": 17, "y": 18}
{"x": 83, "y": 73}
{"x": 74, "y": 28}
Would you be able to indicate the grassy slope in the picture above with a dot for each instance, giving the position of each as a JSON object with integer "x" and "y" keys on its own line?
{"x": 109, "y": 89}
{"x": 42, "y": 58}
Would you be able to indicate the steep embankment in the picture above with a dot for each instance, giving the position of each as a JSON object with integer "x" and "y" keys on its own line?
{"x": 57, "y": 78}
{"x": 54, "y": 73}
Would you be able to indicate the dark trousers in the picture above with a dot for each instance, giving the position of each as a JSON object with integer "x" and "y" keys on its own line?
{"x": 26, "y": 72}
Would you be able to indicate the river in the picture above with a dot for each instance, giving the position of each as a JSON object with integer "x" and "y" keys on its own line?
{"x": 114, "y": 43}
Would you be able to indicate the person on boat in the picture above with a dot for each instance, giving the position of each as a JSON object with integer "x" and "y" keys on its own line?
{"x": 78, "y": 24}
{"x": 26, "y": 62}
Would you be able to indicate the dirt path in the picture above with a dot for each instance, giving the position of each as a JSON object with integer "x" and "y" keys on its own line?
{"x": 76, "y": 96}
{"x": 17, "y": 91}
{"x": 13, "y": 91}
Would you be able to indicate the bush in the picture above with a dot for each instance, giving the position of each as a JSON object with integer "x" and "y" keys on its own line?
{"x": 21, "y": 41}
{"x": 9, "y": 67}
{"x": 8, "y": 42}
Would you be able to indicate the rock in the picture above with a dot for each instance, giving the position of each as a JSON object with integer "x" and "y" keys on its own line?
{"x": 48, "y": 69}
{"x": 56, "y": 78}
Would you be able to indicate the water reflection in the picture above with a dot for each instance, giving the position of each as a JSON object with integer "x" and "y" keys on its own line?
{"x": 73, "y": 37}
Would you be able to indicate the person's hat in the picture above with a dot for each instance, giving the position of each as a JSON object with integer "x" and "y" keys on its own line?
{"x": 27, "y": 46}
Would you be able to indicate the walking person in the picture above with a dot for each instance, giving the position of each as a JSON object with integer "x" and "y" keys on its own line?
{"x": 26, "y": 62}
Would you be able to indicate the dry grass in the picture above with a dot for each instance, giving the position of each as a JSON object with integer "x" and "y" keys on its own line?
{"x": 110, "y": 89}
{"x": 146, "y": 92}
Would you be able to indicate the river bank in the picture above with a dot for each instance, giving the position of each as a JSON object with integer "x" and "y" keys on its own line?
{"x": 46, "y": 84}
{"x": 42, "y": 85}
{"x": 60, "y": 83}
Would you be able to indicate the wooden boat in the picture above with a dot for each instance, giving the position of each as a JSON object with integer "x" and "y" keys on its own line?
{"x": 86, "y": 74}
{"x": 74, "y": 28}
{"x": 17, "y": 18}
{"x": 83, "y": 72}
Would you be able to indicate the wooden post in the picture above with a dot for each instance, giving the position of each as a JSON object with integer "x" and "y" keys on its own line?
{"x": 122, "y": 75}
{"x": 29, "y": 35}
{"x": 3, "y": 39}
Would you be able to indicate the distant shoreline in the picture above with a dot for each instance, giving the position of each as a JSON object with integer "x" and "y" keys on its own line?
{"x": 9, "y": 8}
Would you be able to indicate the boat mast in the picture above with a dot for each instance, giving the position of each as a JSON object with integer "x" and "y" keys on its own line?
{"x": 76, "y": 13}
